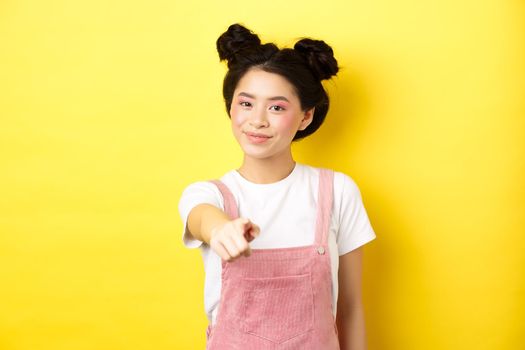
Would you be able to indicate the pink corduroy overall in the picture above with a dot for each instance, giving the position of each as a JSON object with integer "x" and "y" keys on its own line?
{"x": 280, "y": 298}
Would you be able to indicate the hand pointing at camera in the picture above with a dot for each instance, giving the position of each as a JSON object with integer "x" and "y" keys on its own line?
{"x": 228, "y": 238}
{"x": 231, "y": 239}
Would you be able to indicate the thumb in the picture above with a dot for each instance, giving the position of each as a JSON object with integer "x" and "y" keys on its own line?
{"x": 244, "y": 221}
{"x": 252, "y": 233}
{"x": 244, "y": 225}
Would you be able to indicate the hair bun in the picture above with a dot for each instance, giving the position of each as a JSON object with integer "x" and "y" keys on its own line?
{"x": 320, "y": 57}
{"x": 235, "y": 39}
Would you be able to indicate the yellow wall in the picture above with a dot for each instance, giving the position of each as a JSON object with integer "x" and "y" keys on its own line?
{"x": 109, "y": 109}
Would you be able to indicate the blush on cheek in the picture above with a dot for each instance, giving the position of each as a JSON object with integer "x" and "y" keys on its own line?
{"x": 236, "y": 115}
{"x": 287, "y": 122}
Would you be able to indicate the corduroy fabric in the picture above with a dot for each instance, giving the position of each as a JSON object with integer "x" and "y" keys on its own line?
{"x": 278, "y": 299}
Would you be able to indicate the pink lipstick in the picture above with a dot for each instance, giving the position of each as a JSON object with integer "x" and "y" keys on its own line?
{"x": 257, "y": 137}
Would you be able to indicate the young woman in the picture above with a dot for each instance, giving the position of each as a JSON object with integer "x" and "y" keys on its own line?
{"x": 281, "y": 241}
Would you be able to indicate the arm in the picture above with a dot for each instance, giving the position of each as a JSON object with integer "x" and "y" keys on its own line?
{"x": 228, "y": 238}
{"x": 202, "y": 219}
{"x": 350, "y": 314}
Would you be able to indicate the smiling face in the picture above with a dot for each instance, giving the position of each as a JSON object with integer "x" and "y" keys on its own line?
{"x": 266, "y": 114}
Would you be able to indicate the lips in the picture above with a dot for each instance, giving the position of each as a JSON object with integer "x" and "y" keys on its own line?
{"x": 257, "y": 138}
{"x": 255, "y": 134}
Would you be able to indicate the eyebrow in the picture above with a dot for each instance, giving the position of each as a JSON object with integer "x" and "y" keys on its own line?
{"x": 275, "y": 98}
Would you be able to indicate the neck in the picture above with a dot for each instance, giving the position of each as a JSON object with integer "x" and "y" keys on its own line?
{"x": 269, "y": 170}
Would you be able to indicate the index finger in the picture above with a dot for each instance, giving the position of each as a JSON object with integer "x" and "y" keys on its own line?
{"x": 242, "y": 244}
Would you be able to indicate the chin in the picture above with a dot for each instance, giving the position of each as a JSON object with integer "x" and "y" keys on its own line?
{"x": 257, "y": 154}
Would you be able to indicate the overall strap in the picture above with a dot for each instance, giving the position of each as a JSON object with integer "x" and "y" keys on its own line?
{"x": 230, "y": 206}
{"x": 324, "y": 206}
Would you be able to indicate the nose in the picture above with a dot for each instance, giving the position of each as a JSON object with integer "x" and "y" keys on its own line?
{"x": 258, "y": 118}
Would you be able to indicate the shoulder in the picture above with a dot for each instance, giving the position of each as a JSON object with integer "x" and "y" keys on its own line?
{"x": 197, "y": 193}
{"x": 342, "y": 181}
{"x": 199, "y": 187}
{"x": 206, "y": 185}
{"x": 203, "y": 191}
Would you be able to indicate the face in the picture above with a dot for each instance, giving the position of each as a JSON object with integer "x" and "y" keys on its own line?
{"x": 266, "y": 114}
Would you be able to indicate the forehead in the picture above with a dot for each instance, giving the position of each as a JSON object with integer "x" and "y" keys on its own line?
{"x": 264, "y": 84}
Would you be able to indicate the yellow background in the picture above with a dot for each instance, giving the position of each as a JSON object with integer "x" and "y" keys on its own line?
{"x": 109, "y": 109}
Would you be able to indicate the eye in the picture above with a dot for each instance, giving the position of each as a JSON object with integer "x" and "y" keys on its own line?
{"x": 245, "y": 104}
{"x": 279, "y": 108}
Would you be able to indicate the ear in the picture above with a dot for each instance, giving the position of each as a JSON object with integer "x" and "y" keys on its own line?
{"x": 308, "y": 117}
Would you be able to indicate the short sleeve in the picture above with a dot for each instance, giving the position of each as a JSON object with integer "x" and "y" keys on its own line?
{"x": 354, "y": 225}
{"x": 193, "y": 195}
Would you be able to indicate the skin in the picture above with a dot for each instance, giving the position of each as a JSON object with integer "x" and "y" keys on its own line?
{"x": 255, "y": 109}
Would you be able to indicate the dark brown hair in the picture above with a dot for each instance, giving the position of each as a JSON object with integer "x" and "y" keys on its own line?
{"x": 304, "y": 66}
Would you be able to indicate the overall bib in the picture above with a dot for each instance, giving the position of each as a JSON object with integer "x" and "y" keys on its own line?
{"x": 278, "y": 299}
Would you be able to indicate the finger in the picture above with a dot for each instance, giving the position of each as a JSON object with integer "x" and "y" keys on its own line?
{"x": 245, "y": 224}
{"x": 252, "y": 233}
{"x": 241, "y": 243}
{"x": 256, "y": 231}
{"x": 231, "y": 247}
{"x": 244, "y": 221}
{"x": 247, "y": 252}
{"x": 245, "y": 227}
{"x": 221, "y": 251}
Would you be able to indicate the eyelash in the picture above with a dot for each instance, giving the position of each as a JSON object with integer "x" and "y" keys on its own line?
{"x": 279, "y": 110}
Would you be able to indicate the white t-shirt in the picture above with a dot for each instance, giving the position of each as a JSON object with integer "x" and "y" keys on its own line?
{"x": 286, "y": 212}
